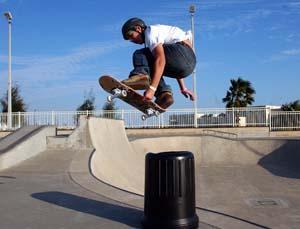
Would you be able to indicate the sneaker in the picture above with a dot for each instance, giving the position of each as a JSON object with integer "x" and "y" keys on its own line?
{"x": 137, "y": 82}
{"x": 165, "y": 99}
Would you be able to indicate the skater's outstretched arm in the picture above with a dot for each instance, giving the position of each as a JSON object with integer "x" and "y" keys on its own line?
{"x": 186, "y": 92}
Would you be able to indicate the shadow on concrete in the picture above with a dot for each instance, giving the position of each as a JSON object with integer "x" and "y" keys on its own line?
{"x": 121, "y": 214}
{"x": 283, "y": 161}
{"x": 8, "y": 177}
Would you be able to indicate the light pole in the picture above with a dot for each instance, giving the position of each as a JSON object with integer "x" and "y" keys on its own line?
{"x": 8, "y": 16}
{"x": 192, "y": 11}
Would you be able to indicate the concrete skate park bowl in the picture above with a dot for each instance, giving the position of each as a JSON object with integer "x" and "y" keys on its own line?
{"x": 119, "y": 162}
{"x": 249, "y": 180}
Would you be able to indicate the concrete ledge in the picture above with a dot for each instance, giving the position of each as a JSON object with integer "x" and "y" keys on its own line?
{"x": 57, "y": 142}
{"x": 80, "y": 137}
{"x": 23, "y": 144}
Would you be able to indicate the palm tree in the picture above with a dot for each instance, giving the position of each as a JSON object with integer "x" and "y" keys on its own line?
{"x": 240, "y": 93}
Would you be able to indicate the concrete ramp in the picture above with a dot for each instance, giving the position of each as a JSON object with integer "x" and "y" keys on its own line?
{"x": 114, "y": 161}
{"x": 214, "y": 150}
{"x": 23, "y": 144}
{"x": 120, "y": 163}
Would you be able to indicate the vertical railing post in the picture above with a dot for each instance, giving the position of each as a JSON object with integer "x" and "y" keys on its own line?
{"x": 270, "y": 119}
{"x": 52, "y": 118}
{"x": 122, "y": 114}
{"x": 233, "y": 117}
{"x": 267, "y": 115}
{"x": 19, "y": 119}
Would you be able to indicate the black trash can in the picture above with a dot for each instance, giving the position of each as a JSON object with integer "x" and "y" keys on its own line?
{"x": 170, "y": 191}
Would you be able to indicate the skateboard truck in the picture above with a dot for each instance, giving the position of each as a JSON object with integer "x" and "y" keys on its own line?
{"x": 150, "y": 112}
{"x": 117, "y": 93}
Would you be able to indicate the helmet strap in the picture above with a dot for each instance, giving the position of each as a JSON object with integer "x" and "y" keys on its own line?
{"x": 143, "y": 34}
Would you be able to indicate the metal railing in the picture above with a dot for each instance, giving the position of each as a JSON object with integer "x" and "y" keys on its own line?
{"x": 170, "y": 119}
{"x": 285, "y": 120}
{"x": 184, "y": 118}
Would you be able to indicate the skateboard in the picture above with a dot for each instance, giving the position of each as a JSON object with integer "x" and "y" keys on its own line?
{"x": 130, "y": 96}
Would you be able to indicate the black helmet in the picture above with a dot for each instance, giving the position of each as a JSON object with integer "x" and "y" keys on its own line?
{"x": 130, "y": 25}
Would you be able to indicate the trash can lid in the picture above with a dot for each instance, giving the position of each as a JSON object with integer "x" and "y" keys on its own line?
{"x": 171, "y": 155}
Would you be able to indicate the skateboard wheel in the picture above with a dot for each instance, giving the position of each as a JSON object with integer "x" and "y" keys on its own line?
{"x": 109, "y": 99}
{"x": 144, "y": 117}
{"x": 157, "y": 113}
{"x": 124, "y": 93}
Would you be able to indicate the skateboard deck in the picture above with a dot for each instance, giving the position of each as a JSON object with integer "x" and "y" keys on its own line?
{"x": 130, "y": 96}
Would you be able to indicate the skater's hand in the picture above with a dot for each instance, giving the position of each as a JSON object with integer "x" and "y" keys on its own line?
{"x": 188, "y": 94}
{"x": 148, "y": 94}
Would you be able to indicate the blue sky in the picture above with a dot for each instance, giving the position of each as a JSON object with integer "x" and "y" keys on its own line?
{"x": 61, "y": 47}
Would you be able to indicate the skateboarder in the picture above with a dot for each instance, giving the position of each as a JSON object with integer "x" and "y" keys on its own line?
{"x": 167, "y": 52}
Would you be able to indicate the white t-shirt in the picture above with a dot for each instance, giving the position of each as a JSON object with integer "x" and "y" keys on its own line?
{"x": 164, "y": 34}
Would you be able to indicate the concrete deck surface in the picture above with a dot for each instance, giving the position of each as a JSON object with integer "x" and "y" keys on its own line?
{"x": 40, "y": 193}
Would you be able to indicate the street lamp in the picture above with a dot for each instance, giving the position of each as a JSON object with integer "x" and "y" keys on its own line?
{"x": 192, "y": 11}
{"x": 8, "y": 16}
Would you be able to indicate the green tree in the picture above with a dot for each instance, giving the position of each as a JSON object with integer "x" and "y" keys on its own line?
{"x": 109, "y": 109}
{"x": 88, "y": 102}
{"x": 17, "y": 102}
{"x": 292, "y": 106}
{"x": 109, "y": 106}
{"x": 240, "y": 93}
